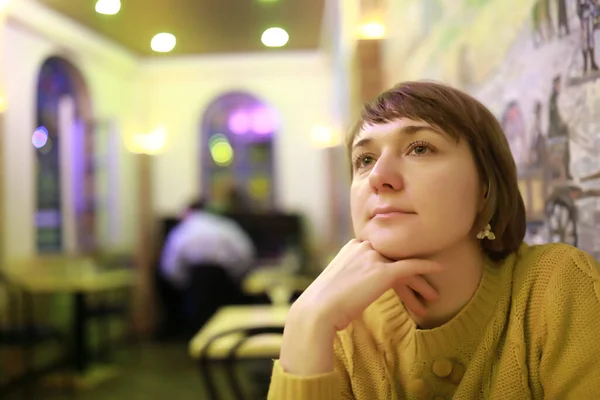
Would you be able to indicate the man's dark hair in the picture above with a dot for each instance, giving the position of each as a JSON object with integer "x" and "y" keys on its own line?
{"x": 197, "y": 205}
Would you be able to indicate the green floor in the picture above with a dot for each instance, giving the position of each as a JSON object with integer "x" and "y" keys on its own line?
{"x": 160, "y": 372}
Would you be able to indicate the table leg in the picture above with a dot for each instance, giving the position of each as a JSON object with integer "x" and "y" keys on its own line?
{"x": 80, "y": 356}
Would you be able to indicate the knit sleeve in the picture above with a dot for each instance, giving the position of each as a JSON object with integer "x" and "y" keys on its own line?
{"x": 570, "y": 360}
{"x": 331, "y": 386}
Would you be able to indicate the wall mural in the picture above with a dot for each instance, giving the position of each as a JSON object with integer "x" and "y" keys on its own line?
{"x": 546, "y": 94}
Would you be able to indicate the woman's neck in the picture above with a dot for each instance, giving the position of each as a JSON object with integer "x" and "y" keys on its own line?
{"x": 456, "y": 284}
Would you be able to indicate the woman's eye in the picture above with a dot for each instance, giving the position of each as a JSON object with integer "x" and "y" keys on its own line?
{"x": 367, "y": 160}
{"x": 363, "y": 161}
{"x": 420, "y": 149}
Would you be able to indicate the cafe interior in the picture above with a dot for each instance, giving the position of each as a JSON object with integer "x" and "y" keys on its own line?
{"x": 116, "y": 114}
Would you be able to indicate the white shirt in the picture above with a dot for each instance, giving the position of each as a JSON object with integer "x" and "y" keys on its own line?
{"x": 204, "y": 238}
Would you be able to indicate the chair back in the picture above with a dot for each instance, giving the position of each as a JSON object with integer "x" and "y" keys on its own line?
{"x": 210, "y": 288}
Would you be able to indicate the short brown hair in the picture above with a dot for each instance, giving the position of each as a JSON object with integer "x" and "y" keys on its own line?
{"x": 462, "y": 117}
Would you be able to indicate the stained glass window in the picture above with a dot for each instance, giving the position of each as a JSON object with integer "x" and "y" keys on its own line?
{"x": 59, "y": 79}
{"x": 237, "y": 150}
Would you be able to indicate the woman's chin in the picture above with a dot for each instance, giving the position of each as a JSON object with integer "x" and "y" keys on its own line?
{"x": 397, "y": 244}
{"x": 392, "y": 249}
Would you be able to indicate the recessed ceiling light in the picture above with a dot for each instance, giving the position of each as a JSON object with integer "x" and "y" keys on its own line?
{"x": 4, "y": 4}
{"x": 275, "y": 37}
{"x": 163, "y": 42}
{"x": 372, "y": 30}
{"x": 108, "y": 7}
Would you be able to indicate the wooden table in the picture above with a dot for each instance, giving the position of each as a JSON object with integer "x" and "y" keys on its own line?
{"x": 67, "y": 275}
{"x": 263, "y": 346}
{"x": 76, "y": 276}
{"x": 48, "y": 282}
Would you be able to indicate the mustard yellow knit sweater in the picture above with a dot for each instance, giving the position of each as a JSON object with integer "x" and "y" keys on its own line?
{"x": 532, "y": 330}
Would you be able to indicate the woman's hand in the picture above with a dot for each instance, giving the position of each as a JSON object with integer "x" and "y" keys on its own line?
{"x": 356, "y": 277}
{"x": 414, "y": 292}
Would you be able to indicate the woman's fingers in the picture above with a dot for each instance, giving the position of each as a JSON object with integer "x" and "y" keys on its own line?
{"x": 404, "y": 269}
{"x": 408, "y": 273}
{"x": 411, "y": 301}
{"x": 421, "y": 286}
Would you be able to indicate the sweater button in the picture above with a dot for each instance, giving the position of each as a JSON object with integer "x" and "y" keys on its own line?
{"x": 442, "y": 368}
{"x": 418, "y": 388}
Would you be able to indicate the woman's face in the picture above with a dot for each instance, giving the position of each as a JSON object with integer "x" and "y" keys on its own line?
{"x": 415, "y": 190}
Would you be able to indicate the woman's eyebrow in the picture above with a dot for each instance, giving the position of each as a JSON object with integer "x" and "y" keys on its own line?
{"x": 405, "y": 130}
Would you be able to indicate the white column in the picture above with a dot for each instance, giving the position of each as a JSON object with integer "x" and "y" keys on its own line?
{"x": 113, "y": 183}
{"x": 3, "y": 105}
{"x": 68, "y": 154}
{"x": 107, "y": 145}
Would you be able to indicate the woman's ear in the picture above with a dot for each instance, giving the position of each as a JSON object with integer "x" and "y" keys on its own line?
{"x": 485, "y": 192}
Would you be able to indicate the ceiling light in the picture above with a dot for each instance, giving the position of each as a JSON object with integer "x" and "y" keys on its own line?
{"x": 372, "y": 30}
{"x": 108, "y": 7}
{"x": 275, "y": 37}
{"x": 4, "y": 4}
{"x": 163, "y": 42}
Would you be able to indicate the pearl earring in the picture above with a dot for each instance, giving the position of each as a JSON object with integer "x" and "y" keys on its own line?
{"x": 486, "y": 233}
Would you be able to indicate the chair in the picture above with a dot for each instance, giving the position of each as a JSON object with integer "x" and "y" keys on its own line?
{"x": 232, "y": 356}
{"x": 248, "y": 333}
{"x": 20, "y": 330}
{"x": 211, "y": 287}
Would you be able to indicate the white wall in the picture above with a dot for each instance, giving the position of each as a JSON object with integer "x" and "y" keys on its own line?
{"x": 31, "y": 35}
{"x": 298, "y": 85}
{"x": 139, "y": 95}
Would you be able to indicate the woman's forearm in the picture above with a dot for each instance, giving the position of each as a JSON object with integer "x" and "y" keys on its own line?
{"x": 307, "y": 347}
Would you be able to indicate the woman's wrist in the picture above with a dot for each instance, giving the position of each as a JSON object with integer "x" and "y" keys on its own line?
{"x": 307, "y": 347}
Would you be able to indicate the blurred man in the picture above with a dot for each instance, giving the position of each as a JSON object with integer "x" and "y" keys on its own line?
{"x": 204, "y": 238}
{"x": 190, "y": 295}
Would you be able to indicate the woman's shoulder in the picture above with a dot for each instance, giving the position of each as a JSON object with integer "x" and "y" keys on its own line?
{"x": 554, "y": 270}
{"x": 554, "y": 259}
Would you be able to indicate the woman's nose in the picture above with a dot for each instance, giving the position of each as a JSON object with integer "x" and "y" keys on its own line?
{"x": 386, "y": 174}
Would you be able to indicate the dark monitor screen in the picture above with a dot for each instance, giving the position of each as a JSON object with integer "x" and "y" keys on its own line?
{"x": 271, "y": 234}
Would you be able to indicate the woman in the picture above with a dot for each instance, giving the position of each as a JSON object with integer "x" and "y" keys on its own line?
{"x": 438, "y": 296}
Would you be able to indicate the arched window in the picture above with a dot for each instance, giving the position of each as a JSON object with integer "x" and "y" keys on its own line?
{"x": 237, "y": 150}
{"x": 65, "y": 172}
